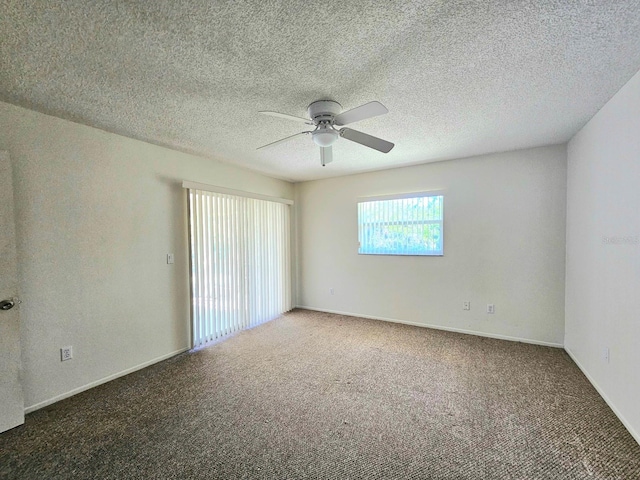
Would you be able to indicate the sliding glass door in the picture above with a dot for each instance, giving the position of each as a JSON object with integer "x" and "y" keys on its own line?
{"x": 240, "y": 262}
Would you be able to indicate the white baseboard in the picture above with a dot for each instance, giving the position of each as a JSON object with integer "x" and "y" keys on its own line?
{"x": 439, "y": 327}
{"x": 624, "y": 421}
{"x": 75, "y": 391}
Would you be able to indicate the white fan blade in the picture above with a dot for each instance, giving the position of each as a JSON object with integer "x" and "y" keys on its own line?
{"x": 326, "y": 155}
{"x": 366, "y": 140}
{"x": 368, "y": 110}
{"x": 286, "y": 139}
{"x": 288, "y": 117}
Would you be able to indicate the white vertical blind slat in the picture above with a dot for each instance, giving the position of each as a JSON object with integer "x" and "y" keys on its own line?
{"x": 203, "y": 271}
{"x": 270, "y": 253}
{"x": 201, "y": 266}
{"x": 230, "y": 274}
{"x": 234, "y": 265}
{"x": 279, "y": 265}
{"x": 218, "y": 267}
{"x": 225, "y": 262}
{"x": 287, "y": 273}
{"x": 196, "y": 262}
{"x": 215, "y": 322}
{"x": 250, "y": 262}
{"x": 232, "y": 262}
{"x": 263, "y": 259}
{"x": 194, "y": 266}
{"x": 237, "y": 265}
{"x": 206, "y": 270}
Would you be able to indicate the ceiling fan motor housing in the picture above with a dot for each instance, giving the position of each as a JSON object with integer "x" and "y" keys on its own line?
{"x": 322, "y": 113}
{"x": 323, "y": 110}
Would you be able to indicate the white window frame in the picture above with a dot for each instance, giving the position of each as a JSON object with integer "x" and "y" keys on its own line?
{"x": 430, "y": 193}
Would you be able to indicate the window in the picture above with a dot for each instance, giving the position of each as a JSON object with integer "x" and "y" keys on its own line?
{"x": 240, "y": 262}
{"x": 410, "y": 224}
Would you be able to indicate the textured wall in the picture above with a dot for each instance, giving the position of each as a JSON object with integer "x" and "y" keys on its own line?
{"x": 96, "y": 215}
{"x": 504, "y": 244}
{"x": 603, "y": 252}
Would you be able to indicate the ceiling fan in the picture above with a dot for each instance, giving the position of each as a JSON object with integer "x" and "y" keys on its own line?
{"x": 325, "y": 116}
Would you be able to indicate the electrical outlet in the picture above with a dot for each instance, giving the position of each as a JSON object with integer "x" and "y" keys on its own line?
{"x": 170, "y": 258}
{"x": 466, "y": 305}
{"x": 491, "y": 308}
{"x": 331, "y": 291}
{"x": 606, "y": 355}
{"x": 66, "y": 353}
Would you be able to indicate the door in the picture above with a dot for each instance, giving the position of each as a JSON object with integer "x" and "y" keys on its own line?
{"x": 11, "y": 401}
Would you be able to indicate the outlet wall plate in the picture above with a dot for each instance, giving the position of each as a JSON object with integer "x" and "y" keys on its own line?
{"x": 466, "y": 305}
{"x": 491, "y": 308}
{"x": 66, "y": 353}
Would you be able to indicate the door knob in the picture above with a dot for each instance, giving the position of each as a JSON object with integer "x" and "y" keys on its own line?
{"x": 7, "y": 304}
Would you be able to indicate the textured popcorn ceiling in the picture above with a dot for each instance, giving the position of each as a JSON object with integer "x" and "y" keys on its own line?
{"x": 460, "y": 77}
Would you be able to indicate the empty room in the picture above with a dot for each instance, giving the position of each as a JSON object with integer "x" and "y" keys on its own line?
{"x": 321, "y": 240}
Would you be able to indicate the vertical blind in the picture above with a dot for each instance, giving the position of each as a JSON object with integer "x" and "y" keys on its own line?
{"x": 411, "y": 224}
{"x": 240, "y": 262}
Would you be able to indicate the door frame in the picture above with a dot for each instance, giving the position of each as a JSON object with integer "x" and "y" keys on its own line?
{"x": 11, "y": 392}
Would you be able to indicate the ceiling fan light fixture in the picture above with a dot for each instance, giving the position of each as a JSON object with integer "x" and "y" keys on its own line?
{"x": 325, "y": 137}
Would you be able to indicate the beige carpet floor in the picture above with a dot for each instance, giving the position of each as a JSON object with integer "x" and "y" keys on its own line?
{"x": 320, "y": 396}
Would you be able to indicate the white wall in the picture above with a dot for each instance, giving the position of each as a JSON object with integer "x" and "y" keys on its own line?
{"x": 96, "y": 214}
{"x": 504, "y": 244}
{"x": 603, "y": 252}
